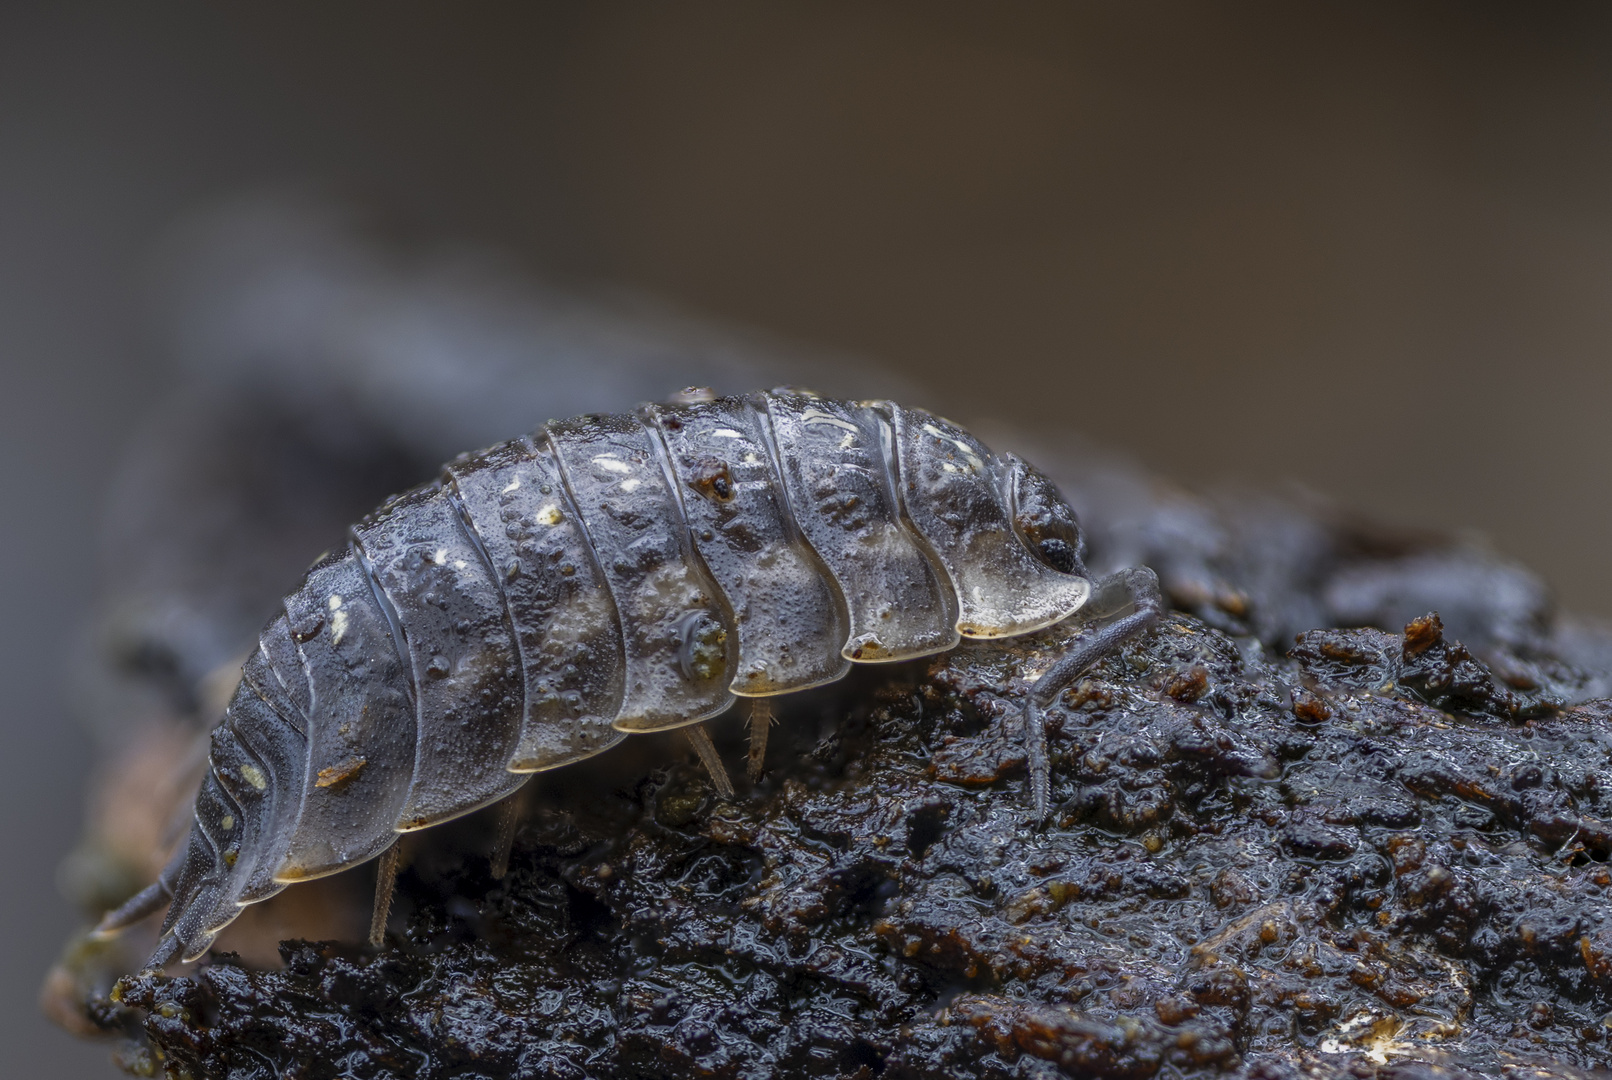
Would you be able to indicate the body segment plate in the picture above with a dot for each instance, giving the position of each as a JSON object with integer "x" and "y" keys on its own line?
{"x": 460, "y": 654}
{"x": 832, "y": 456}
{"x": 280, "y": 678}
{"x": 564, "y": 620}
{"x": 361, "y": 753}
{"x": 213, "y": 906}
{"x": 678, "y": 642}
{"x": 790, "y": 618}
{"x": 281, "y": 753}
{"x": 950, "y": 492}
{"x": 241, "y": 839}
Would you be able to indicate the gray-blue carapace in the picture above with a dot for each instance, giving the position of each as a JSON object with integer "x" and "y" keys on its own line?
{"x": 607, "y": 575}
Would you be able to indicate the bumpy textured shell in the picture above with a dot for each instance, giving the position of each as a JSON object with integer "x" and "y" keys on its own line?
{"x": 605, "y": 575}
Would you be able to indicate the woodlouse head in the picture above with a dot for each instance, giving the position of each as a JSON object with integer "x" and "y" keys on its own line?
{"x": 1043, "y": 519}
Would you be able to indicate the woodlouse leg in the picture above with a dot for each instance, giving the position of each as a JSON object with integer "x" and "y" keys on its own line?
{"x": 147, "y": 901}
{"x": 385, "y": 879}
{"x": 509, "y": 817}
{"x": 1138, "y": 588}
{"x": 167, "y": 951}
{"x": 760, "y": 723}
{"x": 704, "y": 747}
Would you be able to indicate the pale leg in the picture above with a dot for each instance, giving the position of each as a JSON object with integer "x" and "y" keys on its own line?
{"x": 509, "y": 818}
{"x": 704, "y": 747}
{"x": 760, "y": 722}
{"x": 1139, "y": 587}
{"x": 385, "y": 879}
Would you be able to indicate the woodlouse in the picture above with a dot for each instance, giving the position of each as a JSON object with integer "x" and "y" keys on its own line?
{"x": 609, "y": 575}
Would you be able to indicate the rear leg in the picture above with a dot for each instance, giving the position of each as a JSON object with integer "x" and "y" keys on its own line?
{"x": 760, "y": 723}
{"x": 148, "y": 901}
{"x": 509, "y": 819}
{"x": 1138, "y": 588}
{"x": 385, "y": 881}
{"x": 704, "y": 747}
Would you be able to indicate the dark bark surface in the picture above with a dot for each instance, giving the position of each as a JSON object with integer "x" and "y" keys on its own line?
{"x": 1304, "y": 829}
{"x": 1370, "y": 854}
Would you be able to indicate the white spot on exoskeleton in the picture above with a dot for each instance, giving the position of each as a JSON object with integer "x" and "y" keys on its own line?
{"x": 338, "y": 620}
{"x": 631, "y": 484}
{"x": 848, "y": 442}
{"x": 511, "y": 486}
{"x": 610, "y": 463}
{"x": 974, "y": 462}
{"x": 817, "y": 416}
{"x": 549, "y": 515}
{"x": 441, "y": 557}
{"x": 459, "y": 564}
{"x": 726, "y": 433}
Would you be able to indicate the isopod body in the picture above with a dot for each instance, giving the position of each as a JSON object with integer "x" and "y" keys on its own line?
{"x": 603, "y": 576}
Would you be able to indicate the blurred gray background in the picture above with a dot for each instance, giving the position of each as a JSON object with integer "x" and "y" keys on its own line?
{"x": 1365, "y": 248}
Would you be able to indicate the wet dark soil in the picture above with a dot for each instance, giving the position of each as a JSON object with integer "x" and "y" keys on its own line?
{"x": 1371, "y": 858}
{"x": 1301, "y": 830}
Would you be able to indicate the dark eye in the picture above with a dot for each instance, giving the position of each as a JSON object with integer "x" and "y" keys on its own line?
{"x": 1057, "y": 554}
{"x": 1044, "y": 520}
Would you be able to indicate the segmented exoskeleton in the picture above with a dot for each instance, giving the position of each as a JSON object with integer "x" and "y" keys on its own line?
{"x": 609, "y": 575}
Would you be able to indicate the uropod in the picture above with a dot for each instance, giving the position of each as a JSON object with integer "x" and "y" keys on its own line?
{"x": 610, "y": 575}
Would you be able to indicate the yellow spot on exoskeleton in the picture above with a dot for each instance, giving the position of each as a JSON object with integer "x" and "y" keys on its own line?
{"x": 227, "y": 822}
{"x": 255, "y": 777}
{"x": 549, "y": 515}
{"x": 338, "y": 626}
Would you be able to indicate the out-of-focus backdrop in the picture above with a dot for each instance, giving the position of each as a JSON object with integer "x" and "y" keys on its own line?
{"x": 1364, "y": 248}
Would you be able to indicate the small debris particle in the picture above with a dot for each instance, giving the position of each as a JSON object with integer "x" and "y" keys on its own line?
{"x": 336, "y": 775}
